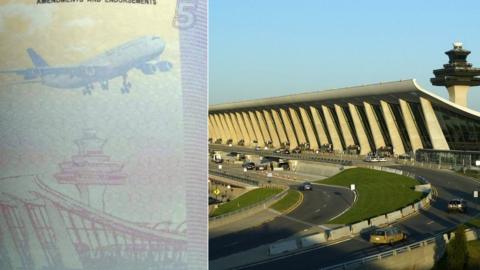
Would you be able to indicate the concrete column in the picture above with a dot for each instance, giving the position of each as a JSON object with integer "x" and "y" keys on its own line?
{"x": 458, "y": 94}
{"x": 332, "y": 130}
{"x": 345, "y": 129}
{"x": 263, "y": 126}
{"x": 360, "y": 130}
{"x": 211, "y": 131}
{"x": 232, "y": 129}
{"x": 410, "y": 125}
{"x": 433, "y": 126}
{"x": 307, "y": 123}
{"x": 39, "y": 258}
{"x": 64, "y": 244}
{"x": 243, "y": 128}
{"x": 282, "y": 135}
{"x": 298, "y": 126}
{"x": 378, "y": 139}
{"x": 224, "y": 133}
{"x": 229, "y": 127}
{"x": 8, "y": 243}
{"x": 317, "y": 120}
{"x": 271, "y": 129}
{"x": 289, "y": 129}
{"x": 236, "y": 126}
{"x": 397, "y": 144}
{"x": 256, "y": 128}
{"x": 248, "y": 123}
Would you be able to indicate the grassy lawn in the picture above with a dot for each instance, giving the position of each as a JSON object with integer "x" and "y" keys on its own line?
{"x": 378, "y": 193}
{"x": 247, "y": 199}
{"x": 288, "y": 201}
{"x": 474, "y": 223}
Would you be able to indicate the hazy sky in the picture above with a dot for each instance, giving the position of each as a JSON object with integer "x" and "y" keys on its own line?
{"x": 271, "y": 48}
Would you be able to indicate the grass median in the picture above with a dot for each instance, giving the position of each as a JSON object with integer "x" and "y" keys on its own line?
{"x": 252, "y": 197}
{"x": 286, "y": 203}
{"x": 378, "y": 193}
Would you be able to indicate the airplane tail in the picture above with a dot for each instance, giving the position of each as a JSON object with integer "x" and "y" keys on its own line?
{"x": 37, "y": 60}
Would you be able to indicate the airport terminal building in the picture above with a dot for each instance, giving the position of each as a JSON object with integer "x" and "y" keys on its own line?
{"x": 397, "y": 118}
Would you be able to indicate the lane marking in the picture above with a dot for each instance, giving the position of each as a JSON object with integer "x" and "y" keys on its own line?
{"x": 430, "y": 222}
{"x": 318, "y": 210}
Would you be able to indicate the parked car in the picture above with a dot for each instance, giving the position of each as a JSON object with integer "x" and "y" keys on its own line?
{"x": 306, "y": 186}
{"x": 261, "y": 167}
{"x": 459, "y": 205}
{"x": 278, "y": 150}
{"x": 371, "y": 159}
{"x": 297, "y": 150}
{"x": 258, "y": 148}
{"x": 249, "y": 165}
{"x": 387, "y": 235}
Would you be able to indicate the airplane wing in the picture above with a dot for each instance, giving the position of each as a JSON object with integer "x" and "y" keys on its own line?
{"x": 38, "y": 72}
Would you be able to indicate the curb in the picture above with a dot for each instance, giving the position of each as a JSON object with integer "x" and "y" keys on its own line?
{"x": 294, "y": 206}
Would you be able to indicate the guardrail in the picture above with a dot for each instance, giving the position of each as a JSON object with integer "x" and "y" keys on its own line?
{"x": 386, "y": 254}
{"x": 244, "y": 179}
{"x": 270, "y": 153}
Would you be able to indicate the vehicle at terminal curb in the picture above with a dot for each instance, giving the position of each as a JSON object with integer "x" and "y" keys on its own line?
{"x": 261, "y": 167}
{"x": 457, "y": 204}
{"x": 306, "y": 186}
{"x": 382, "y": 159}
{"x": 371, "y": 159}
{"x": 296, "y": 150}
{"x": 258, "y": 148}
{"x": 387, "y": 235}
{"x": 249, "y": 165}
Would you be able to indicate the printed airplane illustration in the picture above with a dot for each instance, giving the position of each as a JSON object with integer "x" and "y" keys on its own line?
{"x": 142, "y": 53}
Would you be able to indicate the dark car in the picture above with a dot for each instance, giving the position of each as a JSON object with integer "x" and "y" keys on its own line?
{"x": 306, "y": 186}
{"x": 249, "y": 165}
{"x": 459, "y": 205}
{"x": 297, "y": 151}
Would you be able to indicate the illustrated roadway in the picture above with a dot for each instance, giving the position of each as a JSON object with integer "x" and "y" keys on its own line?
{"x": 424, "y": 225}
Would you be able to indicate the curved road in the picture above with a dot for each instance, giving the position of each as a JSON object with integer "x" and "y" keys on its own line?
{"x": 425, "y": 224}
{"x": 319, "y": 205}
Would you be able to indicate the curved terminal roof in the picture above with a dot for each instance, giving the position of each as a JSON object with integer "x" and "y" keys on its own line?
{"x": 389, "y": 91}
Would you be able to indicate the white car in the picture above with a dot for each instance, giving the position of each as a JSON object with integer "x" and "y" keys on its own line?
{"x": 383, "y": 159}
{"x": 371, "y": 159}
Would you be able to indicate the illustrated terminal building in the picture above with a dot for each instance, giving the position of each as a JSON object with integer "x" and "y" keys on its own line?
{"x": 394, "y": 118}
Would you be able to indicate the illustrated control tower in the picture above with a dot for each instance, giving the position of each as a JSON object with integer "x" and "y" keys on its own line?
{"x": 458, "y": 75}
{"x": 90, "y": 166}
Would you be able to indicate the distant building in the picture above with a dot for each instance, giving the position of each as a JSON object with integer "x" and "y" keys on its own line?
{"x": 396, "y": 117}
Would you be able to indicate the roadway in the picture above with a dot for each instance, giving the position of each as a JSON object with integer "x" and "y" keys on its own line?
{"x": 425, "y": 224}
{"x": 319, "y": 205}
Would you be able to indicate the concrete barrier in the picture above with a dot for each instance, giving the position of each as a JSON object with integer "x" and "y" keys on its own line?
{"x": 423, "y": 188}
{"x": 394, "y": 216}
{"x": 339, "y": 233}
{"x": 472, "y": 234}
{"x": 377, "y": 221}
{"x": 406, "y": 211}
{"x": 359, "y": 226}
{"x": 314, "y": 168}
{"x": 314, "y": 239}
{"x": 282, "y": 247}
{"x": 417, "y": 206}
{"x": 424, "y": 203}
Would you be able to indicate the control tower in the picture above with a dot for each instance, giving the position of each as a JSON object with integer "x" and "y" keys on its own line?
{"x": 458, "y": 75}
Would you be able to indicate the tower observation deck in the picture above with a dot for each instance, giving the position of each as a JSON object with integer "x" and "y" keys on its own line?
{"x": 458, "y": 75}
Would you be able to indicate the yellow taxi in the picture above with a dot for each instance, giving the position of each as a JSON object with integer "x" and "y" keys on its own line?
{"x": 387, "y": 235}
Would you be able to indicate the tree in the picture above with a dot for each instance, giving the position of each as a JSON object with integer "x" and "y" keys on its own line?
{"x": 457, "y": 253}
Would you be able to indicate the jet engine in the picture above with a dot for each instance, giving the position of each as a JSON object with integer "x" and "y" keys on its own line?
{"x": 148, "y": 68}
{"x": 164, "y": 66}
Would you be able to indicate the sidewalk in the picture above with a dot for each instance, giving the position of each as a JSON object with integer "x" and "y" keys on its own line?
{"x": 259, "y": 218}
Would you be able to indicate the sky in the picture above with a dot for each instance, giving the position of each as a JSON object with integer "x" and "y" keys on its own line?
{"x": 272, "y": 48}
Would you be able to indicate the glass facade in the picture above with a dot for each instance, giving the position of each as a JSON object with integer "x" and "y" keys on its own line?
{"x": 461, "y": 132}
